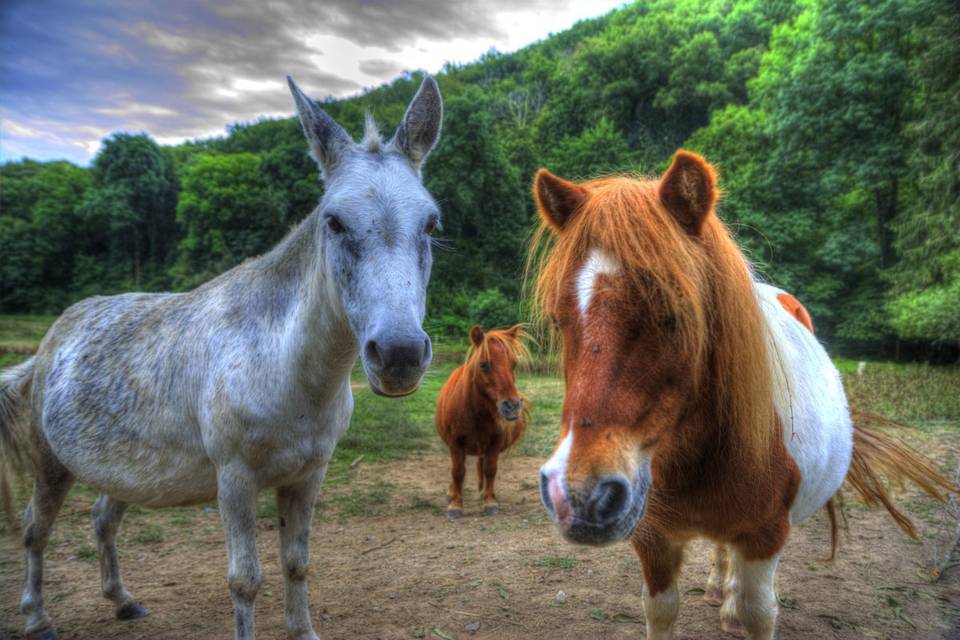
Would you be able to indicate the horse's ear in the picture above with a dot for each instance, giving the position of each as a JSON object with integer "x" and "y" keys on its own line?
{"x": 558, "y": 200}
{"x": 420, "y": 129}
{"x": 328, "y": 140}
{"x": 514, "y": 331}
{"x": 476, "y": 335}
{"x": 689, "y": 190}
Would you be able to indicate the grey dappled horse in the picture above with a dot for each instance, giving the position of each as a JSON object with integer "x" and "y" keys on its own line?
{"x": 243, "y": 383}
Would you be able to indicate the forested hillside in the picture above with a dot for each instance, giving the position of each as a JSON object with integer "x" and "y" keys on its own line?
{"x": 835, "y": 127}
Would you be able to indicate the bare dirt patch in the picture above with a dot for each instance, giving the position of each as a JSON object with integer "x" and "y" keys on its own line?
{"x": 386, "y": 563}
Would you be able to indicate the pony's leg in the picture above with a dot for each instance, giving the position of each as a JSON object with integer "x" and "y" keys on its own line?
{"x": 490, "y": 504}
{"x": 714, "y": 592}
{"x": 295, "y": 509}
{"x": 458, "y": 470}
{"x": 107, "y": 516}
{"x": 661, "y": 562}
{"x": 237, "y": 494}
{"x": 750, "y": 608}
{"x": 50, "y": 487}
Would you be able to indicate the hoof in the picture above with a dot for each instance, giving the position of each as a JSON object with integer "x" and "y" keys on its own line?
{"x": 713, "y": 597}
{"x": 453, "y": 514}
{"x": 734, "y": 627}
{"x": 131, "y": 611}
{"x": 43, "y": 634}
{"x": 491, "y": 510}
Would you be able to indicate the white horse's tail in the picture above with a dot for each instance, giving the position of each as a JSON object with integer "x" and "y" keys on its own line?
{"x": 881, "y": 461}
{"x": 14, "y": 392}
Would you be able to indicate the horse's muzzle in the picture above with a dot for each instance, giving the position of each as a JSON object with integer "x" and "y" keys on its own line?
{"x": 605, "y": 511}
{"x": 395, "y": 364}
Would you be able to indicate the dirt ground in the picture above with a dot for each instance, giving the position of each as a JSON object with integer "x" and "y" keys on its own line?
{"x": 403, "y": 570}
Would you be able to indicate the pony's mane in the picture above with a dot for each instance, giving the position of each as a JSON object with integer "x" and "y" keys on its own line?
{"x": 703, "y": 283}
{"x": 514, "y": 344}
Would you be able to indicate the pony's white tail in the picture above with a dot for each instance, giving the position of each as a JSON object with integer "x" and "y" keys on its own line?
{"x": 14, "y": 392}
{"x": 881, "y": 461}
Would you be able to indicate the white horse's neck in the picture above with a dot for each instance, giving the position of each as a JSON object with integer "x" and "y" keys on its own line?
{"x": 316, "y": 346}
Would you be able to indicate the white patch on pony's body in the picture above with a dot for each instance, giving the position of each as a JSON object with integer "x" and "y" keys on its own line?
{"x": 811, "y": 403}
{"x": 597, "y": 263}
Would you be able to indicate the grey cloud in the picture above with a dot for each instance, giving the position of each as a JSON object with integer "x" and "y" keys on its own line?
{"x": 379, "y": 68}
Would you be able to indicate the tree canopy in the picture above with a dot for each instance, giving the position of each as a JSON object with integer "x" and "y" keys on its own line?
{"x": 834, "y": 126}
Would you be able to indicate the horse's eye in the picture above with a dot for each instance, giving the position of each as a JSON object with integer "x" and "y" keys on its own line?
{"x": 430, "y": 227}
{"x": 485, "y": 366}
{"x": 333, "y": 222}
{"x": 556, "y": 323}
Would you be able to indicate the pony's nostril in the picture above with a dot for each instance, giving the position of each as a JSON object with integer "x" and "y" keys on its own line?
{"x": 609, "y": 500}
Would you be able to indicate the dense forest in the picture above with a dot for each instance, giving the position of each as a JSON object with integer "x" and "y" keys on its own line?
{"x": 835, "y": 127}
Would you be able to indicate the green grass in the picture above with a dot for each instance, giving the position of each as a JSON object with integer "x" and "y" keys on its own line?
{"x": 556, "y": 562}
{"x": 364, "y": 500}
{"x": 917, "y": 393}
{"x": 149, "y": 533}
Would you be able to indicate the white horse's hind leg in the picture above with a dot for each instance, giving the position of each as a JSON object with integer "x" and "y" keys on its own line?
{"x": 237, "y": 496}
{"x": 107, "y": 516}
{"x": 295, "y": 510}
{"x": 750, "y": 602}
{"x": 714, "y": 592}
{"x": 50, "y": 487}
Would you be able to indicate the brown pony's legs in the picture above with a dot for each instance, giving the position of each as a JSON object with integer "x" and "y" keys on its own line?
{"x": 458, "y": 470}
{"x": 489, "y": 465}
{"x": 661, "y": 560}
{"x": 714, "y": 592}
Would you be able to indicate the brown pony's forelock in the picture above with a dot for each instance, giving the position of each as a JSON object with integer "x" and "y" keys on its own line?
{"x": 702, "y": 282}
{"x": 515, "y": 344}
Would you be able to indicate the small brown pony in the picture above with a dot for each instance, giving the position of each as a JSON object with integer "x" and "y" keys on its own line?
{"x": 695, "y": 403}
{"x": 481, "y": 413}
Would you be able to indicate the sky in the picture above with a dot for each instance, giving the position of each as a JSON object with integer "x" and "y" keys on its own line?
{"x": 75, "y": 71}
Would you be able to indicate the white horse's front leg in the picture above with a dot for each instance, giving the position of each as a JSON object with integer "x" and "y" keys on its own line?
{"x": 750, "y": 602}
{"x": 295, "y": 506}
{"x": 237, "y": 493}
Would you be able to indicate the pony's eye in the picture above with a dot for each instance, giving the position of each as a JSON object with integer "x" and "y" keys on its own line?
{"x": 485, "y": 366}
{"x": 556, "y": 323}
{"x": 333, "y": 222}
{"x": 430, "y": 227}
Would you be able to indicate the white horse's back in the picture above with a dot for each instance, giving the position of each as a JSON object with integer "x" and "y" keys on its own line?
{"x": 812, "y": 406}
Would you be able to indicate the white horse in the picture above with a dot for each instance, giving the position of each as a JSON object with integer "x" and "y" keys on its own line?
{"x": 242, "y": 384}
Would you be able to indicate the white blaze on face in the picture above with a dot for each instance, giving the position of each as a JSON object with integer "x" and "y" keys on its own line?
{"x": 597, "y": 263}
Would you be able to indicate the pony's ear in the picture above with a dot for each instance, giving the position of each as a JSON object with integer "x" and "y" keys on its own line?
{"x": 328, "y": 140}
{"x": 476, "y": 335}
{"x": 689, "y": 190}
{"x": 514, "y": 331}
{"x": 420, "y": 129}
{"x": 558, "y": 200}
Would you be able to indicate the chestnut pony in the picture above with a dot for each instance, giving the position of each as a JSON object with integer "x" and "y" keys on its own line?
{"x": 480, "y": 412}
{"x": 695, "y": 404}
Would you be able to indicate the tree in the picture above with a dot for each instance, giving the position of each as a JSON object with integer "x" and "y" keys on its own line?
{"x": 228, "y": 213}
{"x": 133, "y": 199}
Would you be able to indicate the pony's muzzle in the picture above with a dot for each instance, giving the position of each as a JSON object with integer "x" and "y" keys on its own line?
{"x": 510, "y": 409}
{"x": 607, "y": 510}
{"x": 395, "y": 364}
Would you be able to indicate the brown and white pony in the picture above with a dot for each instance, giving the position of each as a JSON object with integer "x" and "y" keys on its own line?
{"x": 481, "y": 413}
{"x": 695, "y": 404}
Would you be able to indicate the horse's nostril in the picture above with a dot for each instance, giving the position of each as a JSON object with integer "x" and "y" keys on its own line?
{"x": 427, "y": 354}
{"x": 371, "y": 351}
{"x": 609, "y": 499}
